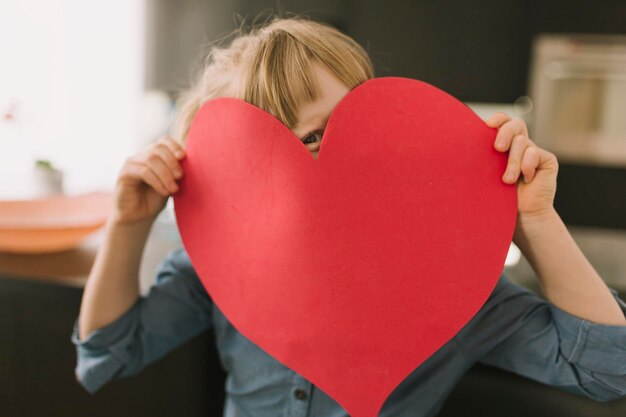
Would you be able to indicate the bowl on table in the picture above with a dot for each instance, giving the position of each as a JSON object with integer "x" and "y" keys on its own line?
{"x": 51, "y": 224}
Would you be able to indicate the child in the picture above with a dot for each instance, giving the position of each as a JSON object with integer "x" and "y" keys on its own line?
{"x": 299, "y": 70}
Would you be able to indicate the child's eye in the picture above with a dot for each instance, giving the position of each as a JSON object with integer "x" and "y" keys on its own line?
{"x": 312, "y": 138}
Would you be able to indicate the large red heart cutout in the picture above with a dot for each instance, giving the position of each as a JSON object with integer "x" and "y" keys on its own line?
{"x": 354, "y": 268}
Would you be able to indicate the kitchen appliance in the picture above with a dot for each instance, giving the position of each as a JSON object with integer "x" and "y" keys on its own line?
{"x": 578, "y": 88}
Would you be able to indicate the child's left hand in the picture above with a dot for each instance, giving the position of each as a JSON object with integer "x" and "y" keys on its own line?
{"x": 535, "y": 168}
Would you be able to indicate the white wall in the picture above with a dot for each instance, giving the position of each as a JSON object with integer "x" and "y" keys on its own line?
{"x": 73, "y": 71}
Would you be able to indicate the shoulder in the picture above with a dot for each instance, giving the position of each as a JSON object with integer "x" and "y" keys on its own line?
{"x": 507, "y": 291}
{"x": 176, "y": 262}
{"x": 176, "y": 269}
{"x": 511, "y": 302}
{"x": 509, "y": 307}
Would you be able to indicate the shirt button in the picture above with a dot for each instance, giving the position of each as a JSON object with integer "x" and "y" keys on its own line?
{"x": 300, "y": 394}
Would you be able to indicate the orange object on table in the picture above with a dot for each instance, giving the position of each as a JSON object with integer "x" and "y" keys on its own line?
{"x": 52, "y": 224}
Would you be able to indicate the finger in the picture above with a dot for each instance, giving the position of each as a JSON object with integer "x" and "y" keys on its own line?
{"x": 518, "y": 146}
{"x": 175, "y": 147}
{"x": 498, "y": 119}
{"x": 507, "y": 132}
{"x": 530, "y": 162}
{"x": 170, "y": 160}
{"x": 548, "y": 161}
{"x": 160, "y": 168}
{"x": 145, "y": 174}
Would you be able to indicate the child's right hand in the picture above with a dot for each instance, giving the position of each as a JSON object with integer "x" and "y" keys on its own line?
{"x": 146, "y": 180}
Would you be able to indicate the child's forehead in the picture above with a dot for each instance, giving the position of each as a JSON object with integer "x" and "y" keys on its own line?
{"x": 315, "y": 114}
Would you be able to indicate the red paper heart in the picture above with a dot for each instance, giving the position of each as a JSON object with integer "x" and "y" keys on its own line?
{"x": 351, "y": 269}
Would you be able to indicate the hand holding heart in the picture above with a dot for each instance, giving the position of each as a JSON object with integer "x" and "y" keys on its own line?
{"x": 538, "y": 167}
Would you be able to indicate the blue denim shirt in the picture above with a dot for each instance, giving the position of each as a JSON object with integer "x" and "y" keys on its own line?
{"x": 514, "y": 330}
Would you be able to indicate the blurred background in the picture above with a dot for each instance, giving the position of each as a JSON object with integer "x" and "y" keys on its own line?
{"x": 85, "y": 84}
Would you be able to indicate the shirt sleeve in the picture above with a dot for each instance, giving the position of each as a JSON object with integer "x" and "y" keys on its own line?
{"x": 535, "y": 339}
{"x": 175, "y": 309}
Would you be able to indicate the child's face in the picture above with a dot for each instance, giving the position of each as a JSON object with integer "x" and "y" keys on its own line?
{"x": 313, "y": 116}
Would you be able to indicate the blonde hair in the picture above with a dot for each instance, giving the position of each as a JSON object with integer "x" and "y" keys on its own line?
{"x": 271, "y": 67}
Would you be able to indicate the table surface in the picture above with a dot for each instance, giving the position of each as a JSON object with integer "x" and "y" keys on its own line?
{"x": 604, "y": 248}
{"x": 70, "y": 267}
